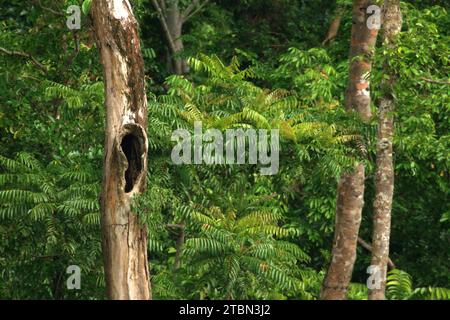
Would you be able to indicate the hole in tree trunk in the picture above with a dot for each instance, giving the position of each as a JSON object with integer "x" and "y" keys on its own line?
{"x": 131, "y": 148}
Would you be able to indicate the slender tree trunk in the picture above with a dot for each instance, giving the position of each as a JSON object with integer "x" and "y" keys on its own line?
{"x": 350, "y": 193}
{"x": 172, "y": 20}
{"x": 124, "y": 239}
{"x": 175, "y": 24}
{"x": 180, "y": 244}
{"x": 384, "y": 174}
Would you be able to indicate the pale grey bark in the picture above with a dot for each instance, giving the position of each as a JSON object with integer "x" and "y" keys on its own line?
{"x": 172, "y": 19}
{"x": 384, "y": 173}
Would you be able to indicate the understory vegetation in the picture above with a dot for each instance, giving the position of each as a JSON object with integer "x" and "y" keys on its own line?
{"x": 222, "y": 231}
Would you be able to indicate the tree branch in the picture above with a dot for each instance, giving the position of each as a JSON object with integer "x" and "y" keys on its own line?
{"x": 51, "y": 10}
{"x": 333, "y": 29}
{"x": 435, "y": 81}
{"x": 190, "y": 12}
{"x": 190, "y": 8}
{"x": 162, "y": 18}
{"x": 162, "y": 5}
{"x": 24, "y": 55}
{"x": 179, "y": 245}
{"x": 175, "y": 226}
{"x": 368, "y": 247}
{"x": 77, "y": 48}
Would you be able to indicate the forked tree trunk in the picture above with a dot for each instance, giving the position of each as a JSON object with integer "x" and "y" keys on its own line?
{"x": 124, "y": 239}
{"x": 384, "y": 174}
{"x": 350, "y": 193}
{"x": 172, "y": 20}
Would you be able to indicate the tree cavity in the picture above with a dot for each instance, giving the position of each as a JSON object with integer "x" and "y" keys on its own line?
{"x": 132, "y": 150}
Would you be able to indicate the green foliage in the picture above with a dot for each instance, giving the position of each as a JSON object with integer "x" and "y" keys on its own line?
{"x": 260, "y": 65}
{"x": 311, "y": 73}
{"x": 400, "y": 287}
{"x": 421, "y": 145}
{"x": 86, "y": 6}
{"x": 48, "y": 216}
{"x": 243, "y": 252}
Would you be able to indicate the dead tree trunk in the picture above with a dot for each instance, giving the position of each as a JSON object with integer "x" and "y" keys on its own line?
{"x": 384, "y": 174}
{"x": 350, "y": 193}
{"x": 124, "y": 239}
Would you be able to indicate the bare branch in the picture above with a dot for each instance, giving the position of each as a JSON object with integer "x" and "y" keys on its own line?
{"x": 77, "y": 48}
{"x": 179, "y": 245}
{"x": 190, "y": 8}
{"x": 368, "y": 247}
{"x": 435, "y": 81}
{"x": 190, "y": 12}
{"x": 162, "y": 18}
{"x": 24, "y": 55}
{"x": 162, "y": 5}
{"x": 334, "y": 27}
{"x": 61, "y": 14}
{"x": 175, "y": 226}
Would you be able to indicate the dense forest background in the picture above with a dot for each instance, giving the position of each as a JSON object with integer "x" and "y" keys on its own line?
{"x": 221, "y": 232}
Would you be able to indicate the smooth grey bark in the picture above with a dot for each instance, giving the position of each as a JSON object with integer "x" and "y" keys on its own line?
{"x": 172, "y": 19}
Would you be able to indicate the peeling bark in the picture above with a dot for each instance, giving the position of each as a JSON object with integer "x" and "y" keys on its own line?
{"x": 384, "y": 174}
{"x": 124, "y": 240}
{"x": 350, "y": 191}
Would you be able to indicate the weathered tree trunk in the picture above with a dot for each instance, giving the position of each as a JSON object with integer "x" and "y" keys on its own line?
{"x": 384, "y": 174}
{"x": 350, "y": 194}
{"x": 124, "y": 239}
